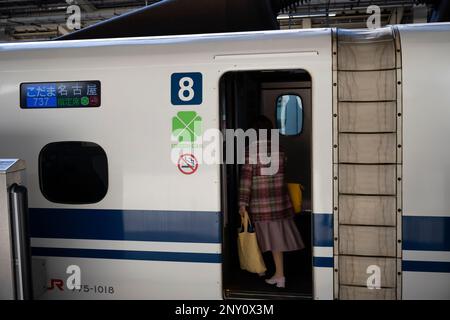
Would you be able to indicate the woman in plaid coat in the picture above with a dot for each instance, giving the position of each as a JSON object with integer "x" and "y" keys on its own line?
{"x": 266, "y": 198}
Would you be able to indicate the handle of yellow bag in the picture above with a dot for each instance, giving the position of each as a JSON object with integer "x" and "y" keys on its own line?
{"x": 245, "y": 221}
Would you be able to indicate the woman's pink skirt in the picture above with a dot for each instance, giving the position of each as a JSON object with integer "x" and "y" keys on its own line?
{"x": 278, "y": 235}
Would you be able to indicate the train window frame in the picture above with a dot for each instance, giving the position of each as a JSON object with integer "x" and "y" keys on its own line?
{"x": 276, "y": 114}
{"x": 49, "y": 181}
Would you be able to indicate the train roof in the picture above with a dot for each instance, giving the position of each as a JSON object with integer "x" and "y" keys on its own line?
{"x": 166, "y": 40}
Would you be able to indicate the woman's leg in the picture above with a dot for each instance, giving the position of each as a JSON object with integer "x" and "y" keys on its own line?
{"x": 278, "y": 277}
{"x": 279, "y": 267}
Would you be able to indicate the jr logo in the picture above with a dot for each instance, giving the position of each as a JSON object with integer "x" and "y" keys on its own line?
{"x": 56, "y": 284}
{"x": 186, "y": 88}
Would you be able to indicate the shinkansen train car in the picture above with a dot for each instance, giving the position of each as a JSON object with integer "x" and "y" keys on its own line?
{"x": 116, "y": 136}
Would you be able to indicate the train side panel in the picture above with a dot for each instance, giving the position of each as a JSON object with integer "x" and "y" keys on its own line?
{"x": 426, "y": 174}
{"x": 157, "y": 233}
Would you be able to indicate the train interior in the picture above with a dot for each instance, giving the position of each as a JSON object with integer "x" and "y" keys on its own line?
{"x": 285, "y": 98}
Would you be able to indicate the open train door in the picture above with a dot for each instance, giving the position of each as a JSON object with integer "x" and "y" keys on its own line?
{"x": 285, "y": 98}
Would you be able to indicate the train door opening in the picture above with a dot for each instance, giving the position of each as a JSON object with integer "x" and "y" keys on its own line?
{"x": 243, "y": 97}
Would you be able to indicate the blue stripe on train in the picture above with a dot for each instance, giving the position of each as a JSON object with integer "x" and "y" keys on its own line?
{"x": 323, "y": 229}
{"x": 407, "y": 265}
{"x": 417, "y": 266}
{"x": 419, "y": 232}
{"x": 323, "y": 262}
{"x": 145, "y": 225}
{"x": 128, "y": 255}
{"x": 426, "y": 266}
{"x": 132, "y": 225}
{"x": 426, "y": 233}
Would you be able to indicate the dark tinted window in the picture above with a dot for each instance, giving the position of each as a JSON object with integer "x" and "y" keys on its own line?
{"x": 73, "y": 172}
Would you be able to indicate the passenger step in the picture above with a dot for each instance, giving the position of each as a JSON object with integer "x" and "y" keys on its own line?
{"x": 264, "y": 295}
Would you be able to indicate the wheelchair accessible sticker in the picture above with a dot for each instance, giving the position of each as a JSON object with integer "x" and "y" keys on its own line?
{"x": 187, "y": 163}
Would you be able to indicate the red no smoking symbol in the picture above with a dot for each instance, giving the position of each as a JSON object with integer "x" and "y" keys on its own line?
{"x": 187, "y": 163}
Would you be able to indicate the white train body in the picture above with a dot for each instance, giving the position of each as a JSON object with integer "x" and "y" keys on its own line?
{"x": 157, "y": 234}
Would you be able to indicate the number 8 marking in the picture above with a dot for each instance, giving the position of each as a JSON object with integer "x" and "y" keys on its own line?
{"x": 187, "y": 89}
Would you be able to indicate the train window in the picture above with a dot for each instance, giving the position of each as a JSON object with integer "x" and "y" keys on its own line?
{"x": 289, "y": 114}
{"x": 73, "y": 172}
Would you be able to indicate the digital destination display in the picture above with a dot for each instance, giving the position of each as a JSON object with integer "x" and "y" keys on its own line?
{"x": 69, "y": 94}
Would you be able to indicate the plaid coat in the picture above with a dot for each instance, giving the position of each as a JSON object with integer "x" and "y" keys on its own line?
{"x": 265, "y": 196}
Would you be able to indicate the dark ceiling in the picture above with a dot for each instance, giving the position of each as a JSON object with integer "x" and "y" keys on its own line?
{"x": 38, "y": 20}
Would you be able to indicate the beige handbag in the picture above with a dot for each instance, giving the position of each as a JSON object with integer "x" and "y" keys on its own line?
{"x": 250, "y": 257}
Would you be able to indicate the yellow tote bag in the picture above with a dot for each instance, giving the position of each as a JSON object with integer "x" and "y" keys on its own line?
{"x": 250, "y": 257}
{"x": 295, "y": 193}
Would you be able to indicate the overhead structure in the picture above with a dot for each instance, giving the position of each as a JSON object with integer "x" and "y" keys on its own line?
{"x": 43, "y": 20}
{"x": 174, "y": 17}
{"x": 354, "y": 14}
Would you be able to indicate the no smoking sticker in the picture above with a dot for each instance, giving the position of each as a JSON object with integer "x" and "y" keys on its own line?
{"x": 187, "y": 163}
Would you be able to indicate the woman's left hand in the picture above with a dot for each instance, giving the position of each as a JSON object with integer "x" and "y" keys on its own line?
{"x": 242, "y": 211}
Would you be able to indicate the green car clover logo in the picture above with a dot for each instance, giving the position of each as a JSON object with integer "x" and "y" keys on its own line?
{"x": 187, "y": 126}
